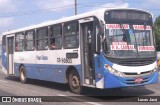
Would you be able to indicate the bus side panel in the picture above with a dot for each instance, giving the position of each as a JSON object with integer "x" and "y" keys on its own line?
{"x": 53, "y": 73}
{"x": 100, "y": 72}
{"x": 16, "y": 69}
{"x": 23, "y": 58}
{"x": 4, "y": 62}
{"x": 49, "y": 72}
{"x": 43, "y": 65}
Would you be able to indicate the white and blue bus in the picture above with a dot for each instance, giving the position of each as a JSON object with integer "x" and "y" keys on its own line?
{"x": 107, "y": 48}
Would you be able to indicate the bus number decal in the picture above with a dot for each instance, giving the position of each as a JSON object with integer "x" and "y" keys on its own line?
{"x": 64, "y": 60}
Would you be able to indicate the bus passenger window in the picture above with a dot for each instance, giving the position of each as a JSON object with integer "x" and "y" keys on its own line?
{"x": 19, "y": 42}
{"x": 4, "y": 44}
{"x": 46, "y": 43}
{"x": 30, "y": 40}
{"x": 42, "y": 38}
{"x": 56, "y": 37}
{"x": 16, "y": 47}
{"x": 71, "y": 35}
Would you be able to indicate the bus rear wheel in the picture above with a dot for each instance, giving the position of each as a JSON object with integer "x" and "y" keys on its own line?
{"x": 22, "y": 73}
{"x": 74, "y": 82}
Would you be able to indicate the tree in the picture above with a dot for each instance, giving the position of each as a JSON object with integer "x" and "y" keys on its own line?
{"x": 157, "y": 33}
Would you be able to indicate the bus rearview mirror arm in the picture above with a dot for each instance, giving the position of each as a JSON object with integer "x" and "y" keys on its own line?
{"x": 98, "y": 36}
{"x": 98, "y": 44}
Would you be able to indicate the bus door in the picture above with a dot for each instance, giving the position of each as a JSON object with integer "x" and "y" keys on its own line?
{"x": 10, "y": 52}
{"x": 87, "y": 54}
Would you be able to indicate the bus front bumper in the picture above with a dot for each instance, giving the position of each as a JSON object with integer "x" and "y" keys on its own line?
{"x": 112, "y": 81}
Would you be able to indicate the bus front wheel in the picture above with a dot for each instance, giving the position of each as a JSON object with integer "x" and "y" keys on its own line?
{"x": 74, "y": 82}
{"x": 22, "y": 73}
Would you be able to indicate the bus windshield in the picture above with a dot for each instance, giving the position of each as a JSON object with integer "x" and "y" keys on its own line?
{"x": 129, "y": 41}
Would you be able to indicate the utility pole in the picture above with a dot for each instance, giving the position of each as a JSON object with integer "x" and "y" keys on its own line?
{"x": 75, "y": 7}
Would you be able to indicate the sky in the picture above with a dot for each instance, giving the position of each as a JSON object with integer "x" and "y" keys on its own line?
{"x": 16, "y": 14}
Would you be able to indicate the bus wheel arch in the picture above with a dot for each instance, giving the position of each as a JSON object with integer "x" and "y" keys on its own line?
{"x": 73, "y": 80}
{"x": 22, "y": 74}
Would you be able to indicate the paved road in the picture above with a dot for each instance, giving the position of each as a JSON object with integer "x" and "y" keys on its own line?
{"x": 10, "y": 86}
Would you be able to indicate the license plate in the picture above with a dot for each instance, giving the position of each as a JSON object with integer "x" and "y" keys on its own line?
{"x": 138, "y": 80}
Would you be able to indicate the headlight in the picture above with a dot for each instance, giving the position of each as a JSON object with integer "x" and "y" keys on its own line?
{"x": 155, "y": 69}
{"x": 113, "y": 71}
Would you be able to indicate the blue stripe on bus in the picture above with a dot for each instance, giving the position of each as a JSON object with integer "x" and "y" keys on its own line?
{"x": 100, "y": 60}
{"x": 48, "y": 72}
{"x": 4, "y": 59}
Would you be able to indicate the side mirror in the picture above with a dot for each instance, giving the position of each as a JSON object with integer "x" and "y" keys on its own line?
{"x": 101, "y": 27}
{"x": 99, "y": 34}
{"x": 98, "y": 43}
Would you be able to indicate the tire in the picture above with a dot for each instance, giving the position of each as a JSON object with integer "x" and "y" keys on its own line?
{"x": 74, "y": 82}
{"x": 22, "y": 74}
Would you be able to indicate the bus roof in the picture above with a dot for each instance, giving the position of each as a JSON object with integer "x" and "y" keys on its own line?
{"x": 79, "y": 16}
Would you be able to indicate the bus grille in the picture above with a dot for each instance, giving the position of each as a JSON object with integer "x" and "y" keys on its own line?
{"x": 136, "y": 63}
{"x": 133, "y": 61}
{"x": 137, "y": 73}
{"x": 132, "y": 81}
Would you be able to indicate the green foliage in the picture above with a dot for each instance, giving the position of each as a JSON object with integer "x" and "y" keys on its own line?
{"x": 157, "y": 33}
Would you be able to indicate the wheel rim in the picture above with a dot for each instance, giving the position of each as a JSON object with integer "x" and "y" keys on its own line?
{"x": 22, "y": 75}
{"x": 75, "y": 82}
